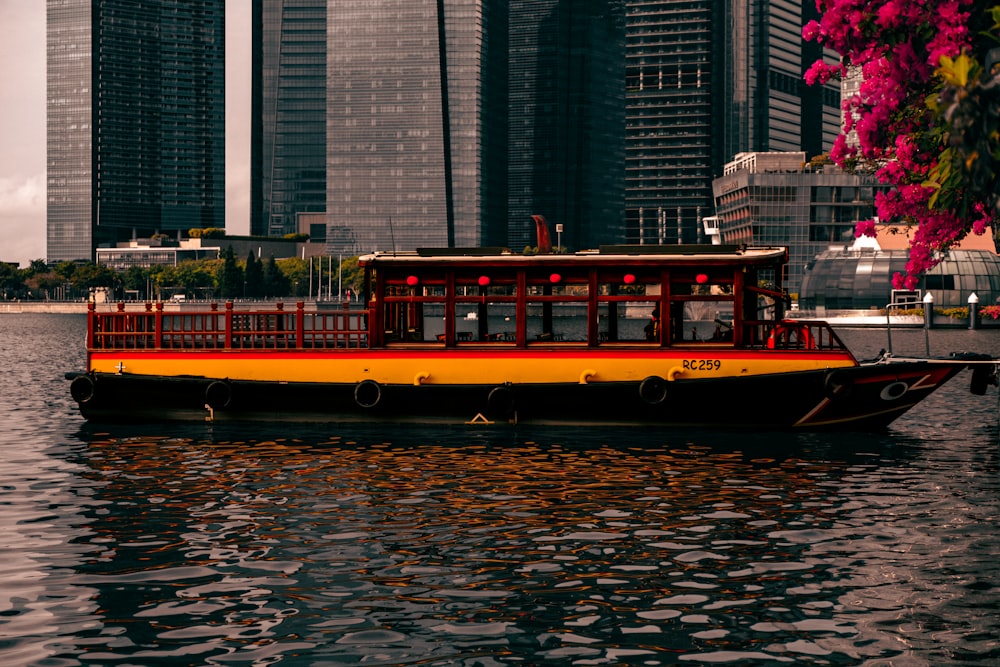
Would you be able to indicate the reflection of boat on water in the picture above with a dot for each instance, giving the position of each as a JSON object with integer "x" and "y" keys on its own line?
{"x": 414, "y": 354}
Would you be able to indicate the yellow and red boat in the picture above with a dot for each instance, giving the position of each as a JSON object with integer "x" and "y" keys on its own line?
{"x": 679, "y": 335}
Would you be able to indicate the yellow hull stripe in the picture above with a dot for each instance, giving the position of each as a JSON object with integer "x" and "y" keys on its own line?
{"x": 460, "y": 367}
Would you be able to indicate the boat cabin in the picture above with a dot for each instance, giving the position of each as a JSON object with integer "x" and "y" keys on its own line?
{"x": 617, "y": 295}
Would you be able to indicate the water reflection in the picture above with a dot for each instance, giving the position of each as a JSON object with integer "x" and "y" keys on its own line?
{"x": 455, "y": 547}
{"x": 270, "y": 544}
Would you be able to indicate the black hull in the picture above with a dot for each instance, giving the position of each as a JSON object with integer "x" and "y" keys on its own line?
{"x": 867, "y": 397}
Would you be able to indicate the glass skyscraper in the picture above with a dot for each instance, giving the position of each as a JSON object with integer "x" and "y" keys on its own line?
{"x": 567, "y": 120}
{"x": 288, "y": 127}
{"x": 706, "y": 80}
{"x": 416, "y": 124}
{"x": 136, "y": 121}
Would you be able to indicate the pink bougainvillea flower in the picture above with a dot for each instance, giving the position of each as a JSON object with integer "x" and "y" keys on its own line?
{"x": 898, "y": 45}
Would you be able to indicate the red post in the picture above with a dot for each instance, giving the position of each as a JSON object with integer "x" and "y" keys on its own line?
{"x": 159, "y": 324}
{"x": 229, "y": 325}
{"x": 300, "y": 324}
{"x": 91, "y": 321}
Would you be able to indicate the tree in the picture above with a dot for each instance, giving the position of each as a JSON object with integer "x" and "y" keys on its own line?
{"x": 297, "y": 272}
{"x": 352, "y": 275}
{"x": 90, "y": 275}
{"x": 135, "y": 278}
{"x": 230, "y": 276}
{"x": 276, "y": 284}
{"x": 196, "y": 277}
{"x": 253, "y": 274}
{"x": 65, "y": 270}
{"x": 925, "y": 115}
{"x": 11, "y": 281}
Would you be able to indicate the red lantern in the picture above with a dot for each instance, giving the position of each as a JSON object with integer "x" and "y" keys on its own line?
{"x": 412, "y": 280}
{"x": 554, "y": 278}
{"x": 701, "y": 278}
{"x": 484, "y": 281}
{"x": 629, "y": 278}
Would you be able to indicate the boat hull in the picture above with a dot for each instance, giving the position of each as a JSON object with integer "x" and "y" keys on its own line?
{"x": 864, "y": 397}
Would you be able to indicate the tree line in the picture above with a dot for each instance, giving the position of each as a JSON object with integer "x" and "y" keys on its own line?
{"x": 225, "y": 278}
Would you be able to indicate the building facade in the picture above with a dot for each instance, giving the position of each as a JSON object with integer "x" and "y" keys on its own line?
{"x": 416, "y": 124}
{"x": 567, "y": 121}
{"x": 288, "y": 112}
{"x": 136, "y": 121}
{"x": 706, "y": 80}
{"x": 779, "y": 199}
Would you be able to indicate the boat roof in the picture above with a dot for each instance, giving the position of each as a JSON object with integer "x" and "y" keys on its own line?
{"x": 616, "y": 255}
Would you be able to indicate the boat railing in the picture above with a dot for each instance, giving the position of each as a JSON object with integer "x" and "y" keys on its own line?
{"x": 226, "y": 329}
{"x": 790, "y": 334}
{"x": 899, "y": 305}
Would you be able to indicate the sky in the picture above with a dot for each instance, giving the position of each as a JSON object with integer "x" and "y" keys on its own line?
{"x": 22, "y": 126}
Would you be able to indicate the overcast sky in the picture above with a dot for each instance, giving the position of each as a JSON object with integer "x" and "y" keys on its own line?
{"x": 22, "y": 126}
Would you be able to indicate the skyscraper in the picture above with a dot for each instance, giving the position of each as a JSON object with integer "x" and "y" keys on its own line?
{"x": 567, "y": 120}
{"x": 136, "y": 121}
{"x": 288, "y": 111}
{"x": 707, "y": 80}
{"x": 416, "y": 124}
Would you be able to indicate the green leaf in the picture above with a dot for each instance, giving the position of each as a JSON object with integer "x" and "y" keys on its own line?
{"x": 956, "y": 72}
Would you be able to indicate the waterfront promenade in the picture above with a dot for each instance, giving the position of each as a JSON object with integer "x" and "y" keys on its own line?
{"x": 52, "y": 307}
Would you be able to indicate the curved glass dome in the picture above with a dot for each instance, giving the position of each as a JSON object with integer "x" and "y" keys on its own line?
{"x": 862, "y": 279}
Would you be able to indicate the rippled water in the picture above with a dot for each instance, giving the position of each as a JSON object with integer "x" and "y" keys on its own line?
{"x": 201, "y": 545}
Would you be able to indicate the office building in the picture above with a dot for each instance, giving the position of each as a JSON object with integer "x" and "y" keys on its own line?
{"x": 136, "y": 121}
{"x": 707, "y": 80}
{"x": 780, "y": 199}
{"x": 288, "y": 118}
{"x": 416, "y": 124}
{"x": 567, "y": 121}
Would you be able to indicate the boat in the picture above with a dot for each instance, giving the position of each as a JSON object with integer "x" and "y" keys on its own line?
{"x": 637, "y": 335}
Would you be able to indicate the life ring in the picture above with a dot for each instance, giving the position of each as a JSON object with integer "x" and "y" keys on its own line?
{"x": 501, "y": 402}
{"x": 82, "y": 388}
{"x": 805, "y": 337}
{"x": 218, "y": 394}
{"x": 837, "y": 384}
{"x": 653, "y": 390}
{"x": 894, "y": 391}
{"x": 367, "y": 394}
{"x": 782, "y": 333}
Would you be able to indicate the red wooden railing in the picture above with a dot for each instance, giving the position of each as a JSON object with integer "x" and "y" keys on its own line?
{"x": 226, "y": 329}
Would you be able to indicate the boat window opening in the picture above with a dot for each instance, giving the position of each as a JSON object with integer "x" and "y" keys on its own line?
{"x": 485, "y": 308}
{"x": 703, "y": 308}
{"x": 556, "y": 307}
{"x": 629, "y": 312}
{"x": 403, "y": 310}
{"x": 764, "y": 303}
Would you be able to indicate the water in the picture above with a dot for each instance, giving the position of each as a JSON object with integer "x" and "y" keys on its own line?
{"x": 201, "y": 545}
